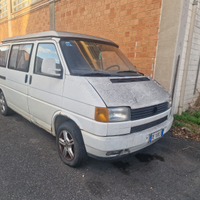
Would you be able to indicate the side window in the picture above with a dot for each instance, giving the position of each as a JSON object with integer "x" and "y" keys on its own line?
{"x": 20, "y": 57}
{"x": 4, "y": 55}
{"x": 46, "y": 53}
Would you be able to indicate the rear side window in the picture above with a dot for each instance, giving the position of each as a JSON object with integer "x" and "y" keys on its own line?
{"x": 46, "y": 51}
{"x": 20, "y": 57}
{"x": 4, "y": 50}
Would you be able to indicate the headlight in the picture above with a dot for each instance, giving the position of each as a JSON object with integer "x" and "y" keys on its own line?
{"x": 170, "y": 103}
{"x": 112, "y": 114}
{"x": 119, "y": 114}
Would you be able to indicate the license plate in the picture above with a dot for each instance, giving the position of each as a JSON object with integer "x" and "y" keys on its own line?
{"x": 156, "y": 135}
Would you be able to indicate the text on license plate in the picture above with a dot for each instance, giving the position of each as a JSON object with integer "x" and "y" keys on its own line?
{"x": 156, "y": 135}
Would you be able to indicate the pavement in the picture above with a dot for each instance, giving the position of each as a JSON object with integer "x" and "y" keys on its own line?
{"x": 30, "y": 169}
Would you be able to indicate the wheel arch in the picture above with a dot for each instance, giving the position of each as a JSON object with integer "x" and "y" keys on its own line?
{"x": 59, "y": 118}
{"x": 2, "y": 89}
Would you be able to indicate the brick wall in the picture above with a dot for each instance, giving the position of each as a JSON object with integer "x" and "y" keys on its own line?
{"x": 28, "y": 20}
{"x": 3, "y": 30}
{"x": 132, "y": 24}
{"x": 33, "y": 22}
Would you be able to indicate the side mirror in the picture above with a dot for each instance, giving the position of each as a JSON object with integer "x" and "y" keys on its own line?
{"x": 49, "y": 67}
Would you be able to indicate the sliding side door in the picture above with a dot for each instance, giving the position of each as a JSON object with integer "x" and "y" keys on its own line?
{"x": 17, "y": 78}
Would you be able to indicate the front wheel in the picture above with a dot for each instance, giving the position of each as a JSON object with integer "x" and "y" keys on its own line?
{"x": 4, "y": 109}
{"x": 70, "y": 144}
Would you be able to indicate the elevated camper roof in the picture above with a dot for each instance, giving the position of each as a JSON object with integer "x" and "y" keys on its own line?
{"x": 56, "y": 34}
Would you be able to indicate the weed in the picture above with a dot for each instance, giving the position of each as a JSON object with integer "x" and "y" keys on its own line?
{"x": 197, "y": 114}
{"x": 192, "y": 119}
{"x": 189, "y": 119}
{"x": 179, "y": 124}
{"x": 177, "y": 117}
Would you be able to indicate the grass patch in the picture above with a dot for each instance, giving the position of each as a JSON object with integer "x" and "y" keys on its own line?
{"x": 181, "y": 124}
{"x": 178, "y": 124}
{"x": 189, "y": 117}
{"x": 189, "y": 120}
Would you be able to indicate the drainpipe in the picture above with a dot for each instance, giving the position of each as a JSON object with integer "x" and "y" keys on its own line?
{"x": 187, "y": 58}
{"x": 52, "y": 16}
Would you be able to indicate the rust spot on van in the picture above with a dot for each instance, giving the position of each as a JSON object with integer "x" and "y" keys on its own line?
{"x": 66, "y": 116}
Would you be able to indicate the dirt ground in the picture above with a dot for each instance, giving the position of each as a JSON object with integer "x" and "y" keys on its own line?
{"x": 185, "y": 133}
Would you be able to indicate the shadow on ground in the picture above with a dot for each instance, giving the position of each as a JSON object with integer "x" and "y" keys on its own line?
{"x": 31, "y": 169}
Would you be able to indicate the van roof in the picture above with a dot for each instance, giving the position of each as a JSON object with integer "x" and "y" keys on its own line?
{"x": 56, "y": 34}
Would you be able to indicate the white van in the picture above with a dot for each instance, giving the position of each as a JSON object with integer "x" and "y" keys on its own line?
{"x": 84, "y": 91}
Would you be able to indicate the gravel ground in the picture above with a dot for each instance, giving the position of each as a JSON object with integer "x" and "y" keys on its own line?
{"x": 30, "y": 169}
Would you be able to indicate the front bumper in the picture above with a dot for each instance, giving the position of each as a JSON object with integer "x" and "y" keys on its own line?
{"x": 99, "y": 147}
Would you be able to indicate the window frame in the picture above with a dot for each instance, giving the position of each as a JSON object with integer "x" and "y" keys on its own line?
{"x": 4, "y": 13}
{"x": 58, "y": 77}
{"x": 17, "y": 56}
{"x": 8, "y": 56}
{"x": 15, "y": 8}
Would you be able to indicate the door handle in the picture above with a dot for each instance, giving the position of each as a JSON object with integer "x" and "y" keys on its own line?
{"x": 30, "y": 80}
{"x": 26, "y": 78}
{"x": 3, "y": 77}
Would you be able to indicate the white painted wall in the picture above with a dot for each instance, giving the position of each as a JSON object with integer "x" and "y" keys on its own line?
{"x": 193, "y": 64}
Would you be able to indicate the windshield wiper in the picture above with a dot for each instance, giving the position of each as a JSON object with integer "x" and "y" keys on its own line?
{"x": 130, "y": 71}
{"x": 96, "y": 74}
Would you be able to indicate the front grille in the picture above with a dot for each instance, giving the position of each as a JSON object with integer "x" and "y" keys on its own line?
{"x": 150, "y": 111}
{"x": 148, "y": 125}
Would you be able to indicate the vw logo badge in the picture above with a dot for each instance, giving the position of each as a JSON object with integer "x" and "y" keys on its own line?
{"x": 155, "y": 110}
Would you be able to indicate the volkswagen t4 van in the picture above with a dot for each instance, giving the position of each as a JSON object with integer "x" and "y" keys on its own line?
{"x": 84, "y": 91}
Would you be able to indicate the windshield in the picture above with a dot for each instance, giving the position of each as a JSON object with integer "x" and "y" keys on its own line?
{"x": 96, "y": 59}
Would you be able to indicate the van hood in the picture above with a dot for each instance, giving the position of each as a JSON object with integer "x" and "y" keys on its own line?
{"x": 135, "y": 92}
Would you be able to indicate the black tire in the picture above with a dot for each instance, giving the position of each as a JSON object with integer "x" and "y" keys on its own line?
{"x": 4, "y": 109}
{"x": 69, "y": 142}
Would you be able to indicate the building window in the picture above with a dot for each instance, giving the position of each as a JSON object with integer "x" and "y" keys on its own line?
{"x": 20, "y": 4}
{"x": 3, "y": 6}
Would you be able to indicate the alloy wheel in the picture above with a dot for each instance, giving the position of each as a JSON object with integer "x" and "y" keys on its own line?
{"x": 66, "y": 145}
{"x": 2, "y": 104}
